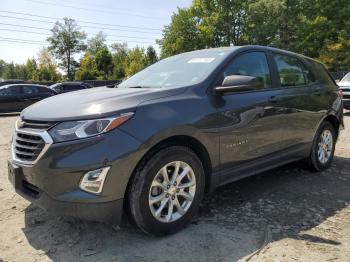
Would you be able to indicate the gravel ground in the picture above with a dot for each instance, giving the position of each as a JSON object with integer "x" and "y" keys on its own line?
{"x": 287, "y": 214}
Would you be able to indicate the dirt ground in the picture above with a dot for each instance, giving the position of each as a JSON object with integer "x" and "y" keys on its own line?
{"x": 287, "y": 214}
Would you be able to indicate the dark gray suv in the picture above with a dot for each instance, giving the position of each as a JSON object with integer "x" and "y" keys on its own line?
{"x": 182, "y": 127}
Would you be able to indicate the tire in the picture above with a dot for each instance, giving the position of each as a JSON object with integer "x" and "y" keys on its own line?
{"x": 149, "y": 185}
{"x": 316, "y": 162}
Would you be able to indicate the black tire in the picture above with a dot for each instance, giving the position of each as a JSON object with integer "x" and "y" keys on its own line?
{"x": 314, "y": 163}
{"x": 140, "y": 189}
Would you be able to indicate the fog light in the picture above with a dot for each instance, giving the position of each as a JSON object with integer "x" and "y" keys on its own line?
{"x": 93, "y": 180}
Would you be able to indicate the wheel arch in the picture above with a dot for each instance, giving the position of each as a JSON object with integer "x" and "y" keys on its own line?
{"x": 334, "y": 121}
{"x": 177, "y": 140}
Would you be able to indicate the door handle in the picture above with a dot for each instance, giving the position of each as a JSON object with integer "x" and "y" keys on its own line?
{"x": 273, "y": 99}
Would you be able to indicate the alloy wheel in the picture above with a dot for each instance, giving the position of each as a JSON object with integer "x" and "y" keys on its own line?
{"x": 325, "y": 146}
{"x": 172, "y": 191}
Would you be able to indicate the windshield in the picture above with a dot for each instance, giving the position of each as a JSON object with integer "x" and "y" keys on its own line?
{"x": 346, "y": 77}
{"x": 180, "y": 70}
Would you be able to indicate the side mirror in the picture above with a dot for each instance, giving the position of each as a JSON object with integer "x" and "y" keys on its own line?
{"x": 337, "y": 80}
{"x": 237, "y": 83}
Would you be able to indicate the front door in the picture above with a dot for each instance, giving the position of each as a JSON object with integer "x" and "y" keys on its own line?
{"x": 9, "y": 99}
{"x": 249, "y": 121}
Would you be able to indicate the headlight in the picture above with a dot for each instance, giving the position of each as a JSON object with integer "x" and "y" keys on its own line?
{"x": 72, "y": 130}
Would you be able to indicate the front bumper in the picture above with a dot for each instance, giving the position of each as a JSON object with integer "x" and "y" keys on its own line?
{"x": 53, "y": 181}
{"x": 108, "y": 212}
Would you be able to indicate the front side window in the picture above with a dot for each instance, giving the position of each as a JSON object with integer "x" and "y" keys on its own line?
{"x": 292, "y": 72}
{"x": 9, "y": 91}
{"x": 251, "y": 64}
{"x": 5, "y": 92}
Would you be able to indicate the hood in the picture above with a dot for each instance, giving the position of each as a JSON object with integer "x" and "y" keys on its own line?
{"x": 93, "y": 103}
{"x": 342, "y": 84}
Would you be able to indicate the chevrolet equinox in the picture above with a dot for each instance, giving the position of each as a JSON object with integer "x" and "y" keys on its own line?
{"x": 184, "y": 126}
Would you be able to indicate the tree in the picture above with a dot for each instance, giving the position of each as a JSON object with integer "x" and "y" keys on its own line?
{"x": 151, "y": 56}
{"x": 3, "y": 65}
{"x": 66, "y": 41}
{"x": 135, "y": 61}
{"x": 220, "y": 22}
{"x": 47, "y": 66}
{"x": 104, "y": 63}
{"x": 32, "y": 69}
{"x": 181, "y": 35}
{"x": 10, "y": 72}
{"x": 96, "y": 43}
{"x": 87, "y": 69}
{"x": 21, "y": 72}
{"x": 119, "y": 55}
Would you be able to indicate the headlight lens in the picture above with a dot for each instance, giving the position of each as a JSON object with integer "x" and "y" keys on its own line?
{"x": 72, "y": 130}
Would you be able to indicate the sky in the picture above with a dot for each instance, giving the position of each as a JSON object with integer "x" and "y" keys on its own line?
{"x": 25, "y": 24}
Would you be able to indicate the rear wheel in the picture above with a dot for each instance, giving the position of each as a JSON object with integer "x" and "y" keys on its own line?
{"x": 323, "y": 147}
{"x": 166, "y": 193}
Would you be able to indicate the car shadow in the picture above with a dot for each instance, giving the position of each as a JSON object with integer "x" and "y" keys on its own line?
{"x": 232, "y": 223}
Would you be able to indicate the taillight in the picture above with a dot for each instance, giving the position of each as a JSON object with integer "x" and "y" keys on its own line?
{"x": 340, "y": 93}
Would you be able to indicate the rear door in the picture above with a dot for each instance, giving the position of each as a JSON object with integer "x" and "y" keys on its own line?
{"x": 299, "y": 91}
{"x": 249, "y": 121}
{"x": 45, "y": 92}
{"x": 31, "y": 95}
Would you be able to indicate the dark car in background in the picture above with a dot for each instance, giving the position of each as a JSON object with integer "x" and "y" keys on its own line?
{"x": 11, "y": 81}
{"x": 65, "y": 87}
{"x": 16, "y": 97}
{"x": 344, "y": 85}
{"x": 183, "y": 126}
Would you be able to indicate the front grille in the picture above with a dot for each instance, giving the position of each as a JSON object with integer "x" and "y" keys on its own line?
{"x": 27, "y": 147}
{"x": 36, "y": 125}
{"x": 346, "y": 96}
{"x": 30, "y": 141}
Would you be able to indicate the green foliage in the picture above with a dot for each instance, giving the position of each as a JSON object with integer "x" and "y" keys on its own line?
{"x": 119, "y": 54}
{"x": 96, "y": 43}
{"x": 2, "y": 67}
{"x": 135, "y": 61}
{"x": 104, "y": 63}
{"x": 10, "y": 71}
{"x": 32, "y": 69}
{"x": 47, "y": 67}
{"x": 316, "y": 28}
{"x": 67, "y": 40}
{"x": 151, "y": 56}
{"x": 181, "y": 35}
{"x": 87, "y": 69}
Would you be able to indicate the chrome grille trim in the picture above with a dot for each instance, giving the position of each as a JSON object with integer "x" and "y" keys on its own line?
{"x": 29, "y": 145}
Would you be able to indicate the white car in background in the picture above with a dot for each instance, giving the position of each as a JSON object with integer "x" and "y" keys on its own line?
{"x": 344, "y": 85}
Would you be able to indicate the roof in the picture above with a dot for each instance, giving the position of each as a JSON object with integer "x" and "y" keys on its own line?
{"x": 232, "y": 49}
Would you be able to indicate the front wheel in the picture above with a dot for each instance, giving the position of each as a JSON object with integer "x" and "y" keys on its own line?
{"x": 166, "y": 193}
{"x": 323, "y": 147}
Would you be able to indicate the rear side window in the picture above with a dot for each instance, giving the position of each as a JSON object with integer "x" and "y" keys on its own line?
{"x": 292, "y": 72}
{"x": 251, "y": 64}
{"x": 30, "y": 90}
{"x": 323, "y": 74}
{"x": 44, "y": 90}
